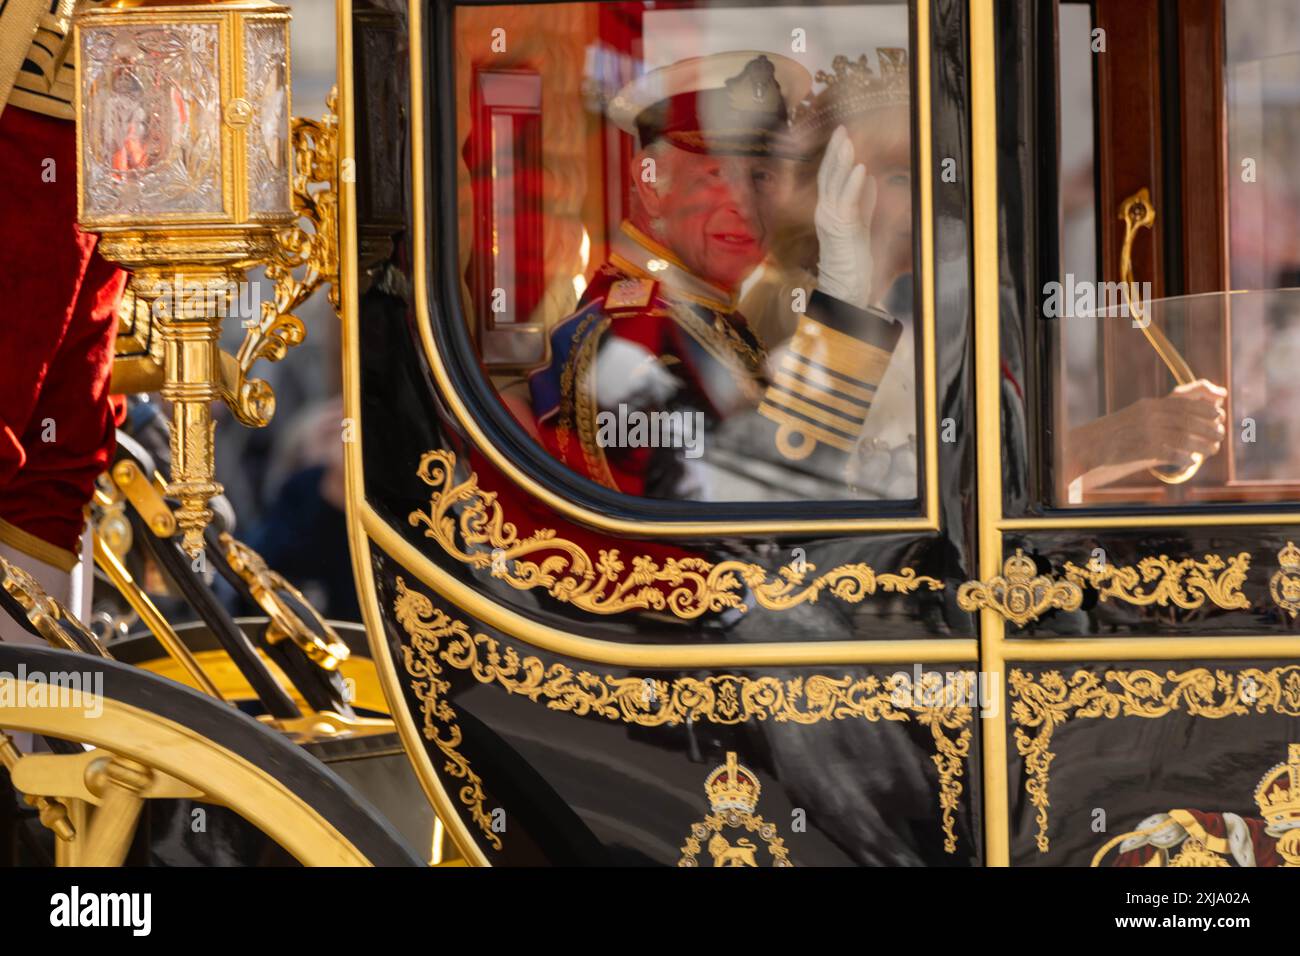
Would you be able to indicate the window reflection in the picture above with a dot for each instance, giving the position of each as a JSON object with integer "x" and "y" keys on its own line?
{"x": 1210, "y": 377}
{"x": 686, "y": 242}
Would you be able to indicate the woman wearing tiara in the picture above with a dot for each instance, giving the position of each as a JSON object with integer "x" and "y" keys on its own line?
{"x": 871, "y": 108}
{"x": 863, "y": 114}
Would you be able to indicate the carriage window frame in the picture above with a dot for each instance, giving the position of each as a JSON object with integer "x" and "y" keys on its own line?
{"x": 447, "y": 340}
{"x": 1037, "y": 507}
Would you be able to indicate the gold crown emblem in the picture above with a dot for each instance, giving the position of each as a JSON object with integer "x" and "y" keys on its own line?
{"x": 732, "y": 787}
{"x": 1019, "y": 568}
{"x": 1288, "y": 558}
{"x": 1284, "y": 585}
{"x": 1278, "y": 793}
{"x": 853, "y": 87}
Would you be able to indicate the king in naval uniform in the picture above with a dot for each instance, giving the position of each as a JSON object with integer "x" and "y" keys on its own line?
{"x": 657, "y": 339}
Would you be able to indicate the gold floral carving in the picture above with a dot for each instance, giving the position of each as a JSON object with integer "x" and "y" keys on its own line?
{"x": 1043, "y": 702}
{"x": 437, "y": 640}
{"x": 468, "y": 523}
{"x": 427, "y": 626}
{"x": 1284, "y": 585}
{"x": 1188, "y": 583}
{"x": 1019, "y": 593}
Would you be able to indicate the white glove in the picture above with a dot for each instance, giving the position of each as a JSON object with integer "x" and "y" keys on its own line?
{"x": 843, "y": 220}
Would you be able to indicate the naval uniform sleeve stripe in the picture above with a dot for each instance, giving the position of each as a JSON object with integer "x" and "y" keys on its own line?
{"x": 806, "y": 368}
{"x": 39, "y": 52}
{"x": 812, "y": 390}
{"x": 808, "y": 427}
{"x": 31, "y": 92}
{"x": 811, "y": 412}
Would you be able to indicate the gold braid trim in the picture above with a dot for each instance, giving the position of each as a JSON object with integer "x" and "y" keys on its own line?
{"x": 1043, "y": 702}
{"x": 463, "y": 512}
{"x": 592, "y": 453}
{"x": 437, "y": 640}
{"x": 564, "y": 424}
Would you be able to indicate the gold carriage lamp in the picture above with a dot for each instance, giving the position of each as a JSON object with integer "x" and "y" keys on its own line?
{"x": 186, "y": 169}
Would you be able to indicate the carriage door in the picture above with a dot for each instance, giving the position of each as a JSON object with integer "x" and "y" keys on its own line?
{"x": 609, "y": 634}
{"x": 1136, "y": 207}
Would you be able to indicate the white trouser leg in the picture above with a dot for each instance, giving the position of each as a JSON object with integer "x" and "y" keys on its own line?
{"x": 81, "y": 593}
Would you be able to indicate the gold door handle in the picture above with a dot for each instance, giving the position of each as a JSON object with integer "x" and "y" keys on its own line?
{"x": 1138, "y": 212}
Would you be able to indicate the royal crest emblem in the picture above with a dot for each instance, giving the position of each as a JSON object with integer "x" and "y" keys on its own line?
{"x": 1284, "y": 585}
{"x": 733, "y": 791}
{"x": 1185, "y": 837}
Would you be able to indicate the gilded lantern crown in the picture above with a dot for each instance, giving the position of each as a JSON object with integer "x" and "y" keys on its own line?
{"x": 732, "y": 787}
{"x": 1278, "y": 793}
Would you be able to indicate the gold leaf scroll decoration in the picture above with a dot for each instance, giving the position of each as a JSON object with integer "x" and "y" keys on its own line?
{"x": 468, "y": 524}
{"x": 1187, "y": 583}
{"x": 1041, "y": 703}
{"x": 439, "y": 641}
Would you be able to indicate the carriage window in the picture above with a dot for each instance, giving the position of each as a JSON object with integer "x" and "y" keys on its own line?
{"x": 685, "y": 239}
{"x": 1165, "y": 398}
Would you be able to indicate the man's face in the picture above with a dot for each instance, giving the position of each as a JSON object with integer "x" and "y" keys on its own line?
{"x": 709, "y": 213}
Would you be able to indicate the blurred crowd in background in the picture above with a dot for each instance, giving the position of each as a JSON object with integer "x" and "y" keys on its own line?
{"x": 285, "y": 482}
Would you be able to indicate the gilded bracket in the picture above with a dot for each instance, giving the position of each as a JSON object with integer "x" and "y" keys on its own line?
{"x": 315, "y": 161}
{"x": 54, "y": 622}
{"x": 1020, "y": 594}
{"x": 321, "y": 644}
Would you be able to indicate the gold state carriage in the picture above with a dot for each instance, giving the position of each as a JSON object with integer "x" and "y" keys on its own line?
{"x": 1014, "y": 629}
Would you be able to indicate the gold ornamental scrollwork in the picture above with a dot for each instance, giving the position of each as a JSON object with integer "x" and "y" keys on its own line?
{"x": 427, "y": 625}
{"x": 1284, "y": 585}
{"x": 315, "y": 162}
{"x": 1020, "y": 594}
{"x": 1187, "y": 583}
{"x": 439, "y": 641}
{"x": 469, "y": 525}
{"x": 1041, "y": 703}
